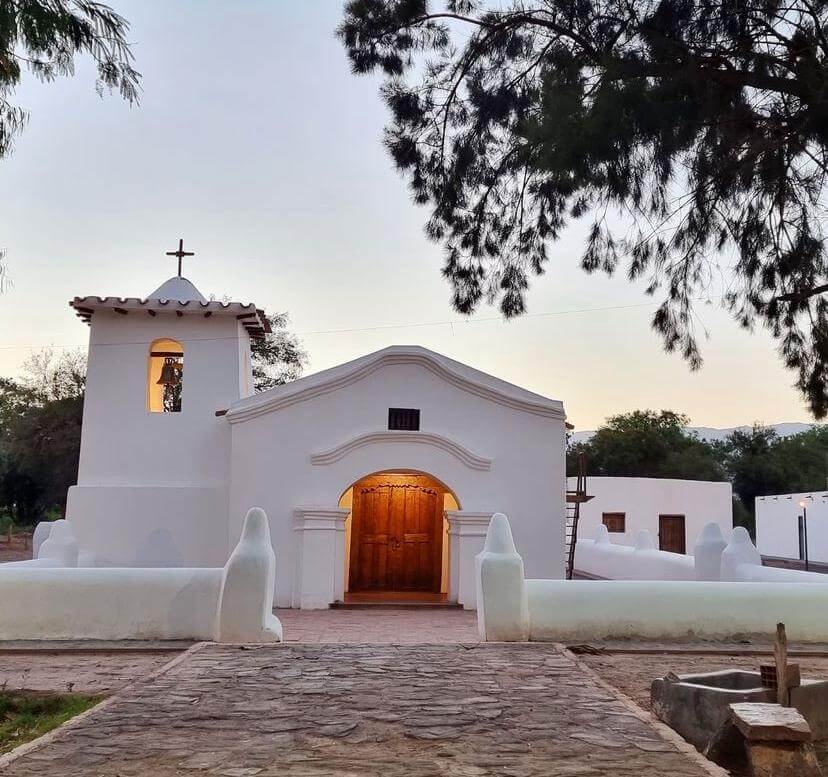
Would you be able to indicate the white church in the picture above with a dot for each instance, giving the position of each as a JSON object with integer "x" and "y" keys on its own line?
{"x": 378, "y": 476}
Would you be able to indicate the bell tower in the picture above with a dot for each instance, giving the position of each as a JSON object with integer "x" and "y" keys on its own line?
{"x": 155, "y": 448}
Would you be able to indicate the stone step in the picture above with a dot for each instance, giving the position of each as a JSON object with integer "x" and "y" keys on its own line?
{"x": 412, "y": 605}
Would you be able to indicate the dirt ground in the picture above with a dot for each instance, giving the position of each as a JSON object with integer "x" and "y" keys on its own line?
{"x": 632, "y": 674}
{"x": 19, "y": 549}
{"x": 90, "y": 672}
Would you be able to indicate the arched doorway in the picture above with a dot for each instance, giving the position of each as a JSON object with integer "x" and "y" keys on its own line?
{"x": 397, "y": 537}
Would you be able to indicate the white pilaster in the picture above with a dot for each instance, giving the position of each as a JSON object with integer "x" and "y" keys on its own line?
{"x": 467, "y": 534}
{"x": 319, "y": 575}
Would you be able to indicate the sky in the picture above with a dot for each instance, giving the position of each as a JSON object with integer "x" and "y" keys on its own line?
{"x": 255, "y": 143}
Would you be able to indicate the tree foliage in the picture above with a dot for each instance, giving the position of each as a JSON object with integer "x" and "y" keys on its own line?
{"x": 277, "y": 358}
{"x": 40, "y": 430}
{"x": 646, "y": 443}
{"x": 756, "y": 461}
{"x": 50, "y": 378}
{"x": 19, "y": 492}
{"x": 691, "y": 135}
{"x": 45, "y": 36}
{"x": 759, "y": 462}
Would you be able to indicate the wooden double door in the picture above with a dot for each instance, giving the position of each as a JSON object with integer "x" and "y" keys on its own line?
{"x": 396, "y": 534}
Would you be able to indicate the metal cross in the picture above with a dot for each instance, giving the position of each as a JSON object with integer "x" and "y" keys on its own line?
{"x": 180, "y": 253}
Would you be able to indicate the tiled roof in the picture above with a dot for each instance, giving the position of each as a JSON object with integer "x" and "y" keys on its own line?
{"x": 253, "y": 318}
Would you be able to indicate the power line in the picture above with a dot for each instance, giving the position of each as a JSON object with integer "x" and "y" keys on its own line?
{"x": 461, "y": 321}
{"x": 377, "y": 328}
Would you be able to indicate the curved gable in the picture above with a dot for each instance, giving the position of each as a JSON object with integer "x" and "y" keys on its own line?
{"x": 459, "y": 375}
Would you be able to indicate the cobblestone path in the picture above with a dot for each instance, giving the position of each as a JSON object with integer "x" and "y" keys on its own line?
{"x": 348, "y": 710}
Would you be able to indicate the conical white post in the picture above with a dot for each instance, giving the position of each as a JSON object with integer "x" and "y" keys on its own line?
{"x": 245, "y": 612}
{"x": 502, "y": 607}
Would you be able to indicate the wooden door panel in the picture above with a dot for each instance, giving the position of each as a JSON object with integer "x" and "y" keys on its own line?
{"x": 671, "y": 533}
{"x": 404, "y": 504}
{"x": 419, "y": 513}
{"x": 369, "y": 553}
{"x": 396, "y": 534}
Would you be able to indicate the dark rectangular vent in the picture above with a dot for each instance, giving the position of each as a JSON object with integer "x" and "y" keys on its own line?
{"x": 404, "y": 418}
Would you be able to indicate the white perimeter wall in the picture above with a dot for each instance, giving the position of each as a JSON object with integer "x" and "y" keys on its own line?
{"x": 512, "y": 608}
{"x": 777, "y": 525}
{"x": 109, "y": 603}
{"x": 233, "y": 604}
{"x": 670, "y": 609}
{"x": 272, "y": 467}
{"x": 644, "y": 499}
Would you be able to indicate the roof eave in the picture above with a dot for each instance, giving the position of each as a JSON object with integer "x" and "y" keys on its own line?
{"x": 257, "y": 326}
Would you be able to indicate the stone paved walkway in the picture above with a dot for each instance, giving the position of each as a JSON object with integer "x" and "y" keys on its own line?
{"x": 383, "y": 626}
{"x": 324, "y": 710}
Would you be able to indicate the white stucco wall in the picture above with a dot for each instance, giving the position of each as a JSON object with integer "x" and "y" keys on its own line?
{"x": 511, "y": 608}
{"x": 152, "y": 487}
{"x": 561, "y": 610}
{"x": 272, "y": 462}
{"x": 713, "y": 559}
{"x": 777, "y": 525}
{"x": 756, "y": 573}
{"x": 229, "y": 604}
{"x": 644, "y": 499}
{"x": 623, "y": 562}
{"x": 109, "y": 603}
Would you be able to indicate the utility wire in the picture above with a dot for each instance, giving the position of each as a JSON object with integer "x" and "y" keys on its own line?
{"x": 377, "y": 328}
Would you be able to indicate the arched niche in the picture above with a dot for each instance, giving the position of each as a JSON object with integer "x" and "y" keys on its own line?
{"x": 165, "y": 397}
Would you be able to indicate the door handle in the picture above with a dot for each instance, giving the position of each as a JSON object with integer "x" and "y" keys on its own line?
{"x": 394, "y": 543}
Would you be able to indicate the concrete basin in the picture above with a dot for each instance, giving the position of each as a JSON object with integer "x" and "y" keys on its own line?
{"x": 696, "y": 705}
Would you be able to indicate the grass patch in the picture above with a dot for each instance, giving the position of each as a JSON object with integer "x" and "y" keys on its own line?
{"x": 26, "y": 715}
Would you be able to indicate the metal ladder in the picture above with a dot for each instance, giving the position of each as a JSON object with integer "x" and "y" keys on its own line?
{"x": 574, "y": 499}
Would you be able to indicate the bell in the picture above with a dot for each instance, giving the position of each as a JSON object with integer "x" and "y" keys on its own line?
{"x": 170, "y": 373}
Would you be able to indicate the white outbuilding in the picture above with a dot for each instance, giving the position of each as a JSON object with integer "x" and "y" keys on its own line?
{"x": 793, "y": 526}
{"x": 673, "y": 511}
{"x": 379, "y": 476}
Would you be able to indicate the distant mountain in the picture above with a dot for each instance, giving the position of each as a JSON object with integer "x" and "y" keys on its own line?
{"x": 710, "y": 433}
{"x": 783, "y": 430}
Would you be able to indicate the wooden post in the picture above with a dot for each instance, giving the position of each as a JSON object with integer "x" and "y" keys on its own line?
{"x": 780, "y": 654}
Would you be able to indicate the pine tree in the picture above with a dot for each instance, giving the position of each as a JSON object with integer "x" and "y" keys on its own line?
{"x": 692, "y": 135}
